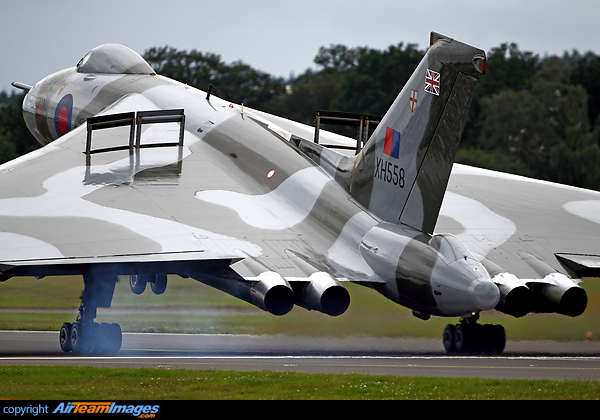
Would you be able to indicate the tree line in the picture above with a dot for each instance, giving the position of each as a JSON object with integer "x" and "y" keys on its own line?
{"x": 531, "y": 115}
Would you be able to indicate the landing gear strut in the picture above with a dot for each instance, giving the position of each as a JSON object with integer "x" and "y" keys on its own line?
{"x": 85, "y": 335}
{"x": 470, "y": 337}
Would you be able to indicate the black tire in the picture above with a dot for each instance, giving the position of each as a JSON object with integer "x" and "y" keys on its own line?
{"x": 448, "y": 338}
{"x": 159, "y": 285}
{"x": 108, "y": 338}
{"x": 64, "y": 337}
{"x": 462, "y": 339}
{"x": 494, "y": 339}
{"x": 137, "y": 283}
{"x": 78, "y": 341}
{"x": 94, "y": 338}
{"x": 115, "y": 338}
{"x": 100, "y": 338}
{"x": 499, "y": 339}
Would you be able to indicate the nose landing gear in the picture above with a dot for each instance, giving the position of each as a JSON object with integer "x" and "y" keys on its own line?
{"x": 470, "y": 337}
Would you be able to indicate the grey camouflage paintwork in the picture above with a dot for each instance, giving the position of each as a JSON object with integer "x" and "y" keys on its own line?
{"x": 248, "y": 189}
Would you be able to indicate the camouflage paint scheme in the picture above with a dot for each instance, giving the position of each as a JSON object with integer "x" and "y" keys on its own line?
{"x": 250, "y": 205}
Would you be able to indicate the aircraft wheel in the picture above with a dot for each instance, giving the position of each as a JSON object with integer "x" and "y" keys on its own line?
{"x": 65, "y": 337}
{"x": 102, "y": 338}
{"x": 137, "y": 284}
{"x": 94, "y": 338}
{"x": 461, "y": 339}
{"x": 495, "y": 338}
{"x": 114, "y": 338}
{"x": 474, "y": 338}
{"x": 500, "y": 340}
{"x": 159, "y": 285}
{"x": 108, "y": 338}
{"x": 79, "y": 343}
{"x": 448, "y": 338}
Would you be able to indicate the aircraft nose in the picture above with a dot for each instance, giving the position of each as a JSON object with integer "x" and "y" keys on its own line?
{"x": 484, "y": 292}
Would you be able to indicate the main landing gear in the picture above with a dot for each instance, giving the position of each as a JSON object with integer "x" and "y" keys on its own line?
{"x": 85, "y": 335}
{"x": 470, "y": 337}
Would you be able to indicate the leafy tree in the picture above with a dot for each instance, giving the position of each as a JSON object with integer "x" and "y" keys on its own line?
{"x": 497, "y": 160}
{"x": 308, "y": 93}
{"x": 508, "y": 68}
{"x": 237, "y": 82}
{"x": 15, "y": 138}
{"x": 10, "y": 97}
{"x": 517, "y": 123}
{"x": 350, "y": 79}
{"x": 586, "y": 72}
{"x": 338, "y": 57}
{"x": 546, "y": 128}
{"x": 374, "y": 82}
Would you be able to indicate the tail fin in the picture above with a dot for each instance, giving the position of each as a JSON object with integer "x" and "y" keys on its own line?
{"x": 402, "y": 172}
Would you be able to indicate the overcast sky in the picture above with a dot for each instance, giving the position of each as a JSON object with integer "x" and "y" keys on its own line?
{"x": 279, "y": 37}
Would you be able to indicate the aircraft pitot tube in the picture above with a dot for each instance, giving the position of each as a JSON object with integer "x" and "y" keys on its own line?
{"x": 432, "y": 275}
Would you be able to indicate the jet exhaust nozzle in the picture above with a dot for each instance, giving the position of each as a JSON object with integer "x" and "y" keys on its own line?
{"x": 565, "y": 299}
{"x": 269, "y": 291}
{"x": 516, "y": 299}
{"x": 573, "y": 301}
{"x": 272, "y": 293}
{"x": 322, "y": 293}
{"x": 555, "y": 293}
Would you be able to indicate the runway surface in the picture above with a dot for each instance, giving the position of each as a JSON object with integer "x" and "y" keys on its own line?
{"x": 365, "y": 355}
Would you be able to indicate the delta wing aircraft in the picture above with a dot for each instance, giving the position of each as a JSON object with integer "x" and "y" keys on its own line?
{"x": 142, "y": 176}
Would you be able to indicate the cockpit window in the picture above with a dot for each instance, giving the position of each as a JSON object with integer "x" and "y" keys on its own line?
{"x": 450, "y": 247}
{"x": 113, "y": 59}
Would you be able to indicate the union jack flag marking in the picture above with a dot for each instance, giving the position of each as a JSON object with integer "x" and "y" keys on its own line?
{"x": 432, "y": 82}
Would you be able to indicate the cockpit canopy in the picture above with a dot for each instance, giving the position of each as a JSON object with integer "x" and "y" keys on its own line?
{"x": 114, "y": 59}
{"x": 450, "y": 247}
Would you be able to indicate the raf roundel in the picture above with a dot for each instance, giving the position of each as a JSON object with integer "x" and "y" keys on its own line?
{"x": 63, "y": 114}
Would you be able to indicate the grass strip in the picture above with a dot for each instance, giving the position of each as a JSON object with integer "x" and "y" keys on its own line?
{"x": 85, "y": 383}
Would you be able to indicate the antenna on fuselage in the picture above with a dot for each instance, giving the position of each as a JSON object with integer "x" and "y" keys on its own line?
{"x": 209, "y": 91}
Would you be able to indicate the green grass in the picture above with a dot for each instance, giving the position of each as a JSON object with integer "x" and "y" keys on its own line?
{"x": 77, "y": 383}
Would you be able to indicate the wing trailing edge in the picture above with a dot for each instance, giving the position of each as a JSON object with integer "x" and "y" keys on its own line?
{"x": 580, "y": 265}
{"x": 184, "y": 264}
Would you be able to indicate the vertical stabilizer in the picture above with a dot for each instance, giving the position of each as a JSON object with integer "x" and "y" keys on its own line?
{"x": 402, "y": 172}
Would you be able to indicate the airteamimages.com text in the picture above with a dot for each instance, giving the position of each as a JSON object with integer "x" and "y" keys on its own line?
{"x": 69, "y": 408}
